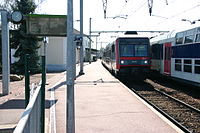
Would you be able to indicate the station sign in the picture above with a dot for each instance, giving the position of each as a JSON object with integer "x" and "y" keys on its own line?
{"x": 46, "y": 25}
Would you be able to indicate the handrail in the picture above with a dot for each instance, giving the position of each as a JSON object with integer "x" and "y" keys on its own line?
{"x": 30, "y": 120}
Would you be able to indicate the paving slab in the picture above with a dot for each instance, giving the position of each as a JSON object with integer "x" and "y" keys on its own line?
{"x": 104, "y": 105}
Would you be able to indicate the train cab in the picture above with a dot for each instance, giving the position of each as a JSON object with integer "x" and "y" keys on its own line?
{"x": 128, "y": 56}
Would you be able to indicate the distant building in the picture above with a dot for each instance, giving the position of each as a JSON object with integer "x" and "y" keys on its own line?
{"x": 56, "y": 53}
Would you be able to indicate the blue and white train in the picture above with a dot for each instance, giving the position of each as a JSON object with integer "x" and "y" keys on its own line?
{"x": 178, "y": 55}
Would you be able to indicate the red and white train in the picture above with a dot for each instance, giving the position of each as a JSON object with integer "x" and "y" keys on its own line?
{"x": 128, "y": 56}
{"x": 178, "y": 56}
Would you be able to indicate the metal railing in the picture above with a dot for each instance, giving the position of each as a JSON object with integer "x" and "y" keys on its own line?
{"x": 30, "y": 120}
{"x": 33, "y": 118}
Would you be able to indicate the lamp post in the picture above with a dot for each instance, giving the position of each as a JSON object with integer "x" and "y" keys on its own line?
{"x": 90, "y": 40}
{"x": 81, "y": 33}
{"x": 191, "y": 22}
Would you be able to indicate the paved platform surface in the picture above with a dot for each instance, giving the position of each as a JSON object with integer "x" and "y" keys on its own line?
{"x": 12, "y": 106}
{"x": 104, "y": 105}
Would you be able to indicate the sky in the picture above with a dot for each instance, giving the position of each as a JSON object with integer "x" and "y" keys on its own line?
{"x": 166, "y": 15}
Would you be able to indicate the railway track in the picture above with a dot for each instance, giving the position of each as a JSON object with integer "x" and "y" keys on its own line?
{"x": 185, "y": 116}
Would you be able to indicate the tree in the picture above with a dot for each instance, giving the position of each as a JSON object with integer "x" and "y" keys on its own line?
{"x": 5, "y": 4}
{"x": 23, "y": 43}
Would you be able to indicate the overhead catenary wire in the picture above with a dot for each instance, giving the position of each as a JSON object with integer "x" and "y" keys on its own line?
{"x": 128, "y": 9}
{"x": 173, "y": 16}
{"x": 126, "y": 1}
{"x": 138, "y": 8}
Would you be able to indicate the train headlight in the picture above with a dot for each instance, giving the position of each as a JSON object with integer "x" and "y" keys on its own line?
{"x": 122, "y": 62}
{"x": 145, "y": 62}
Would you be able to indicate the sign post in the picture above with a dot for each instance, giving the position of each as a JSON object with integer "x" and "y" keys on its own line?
{"x": 57, "y": 25}
{"x": 5, "y": 53}
{"x": 70, "y": 120}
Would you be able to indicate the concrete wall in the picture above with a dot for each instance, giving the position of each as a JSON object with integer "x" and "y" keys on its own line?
{"x": 56, "y": 54}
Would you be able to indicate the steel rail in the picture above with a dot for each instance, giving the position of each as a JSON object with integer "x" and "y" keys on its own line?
{"x": 179, "y": 101}
{"x": 163, "y": 113}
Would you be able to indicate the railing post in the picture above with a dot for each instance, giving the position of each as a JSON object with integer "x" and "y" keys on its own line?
{"x": 27, "y": 81}
{"x": 43, "y": 95}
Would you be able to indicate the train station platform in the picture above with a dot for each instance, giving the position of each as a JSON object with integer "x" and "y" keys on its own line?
{"x": 104, "y": 105}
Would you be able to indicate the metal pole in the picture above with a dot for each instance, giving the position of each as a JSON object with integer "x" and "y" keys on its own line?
{"x": 43, "y": 85}
{"x": 27, "y": 80}
{"x": 43, "y": 94}
{"x": 74, "y": 57}
{"x": 5, "y": 53}
{"x": 70, "y": 70}
{"x": 96, "y": 47}
{"x": 90, "y": 41}
{"x": 81, "y": 43}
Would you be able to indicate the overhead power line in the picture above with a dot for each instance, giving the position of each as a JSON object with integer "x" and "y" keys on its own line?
{"x": 173, "y": 16}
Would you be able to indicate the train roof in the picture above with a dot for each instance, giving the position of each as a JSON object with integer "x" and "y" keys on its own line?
{"x": 173, "y": 34}
{"x": 189, "y": 31}
{"x": 131, "y": 37}
{"x": 165, "y": 36}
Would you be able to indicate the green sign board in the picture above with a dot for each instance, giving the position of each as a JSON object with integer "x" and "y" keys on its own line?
{"x": 46, "y": 25}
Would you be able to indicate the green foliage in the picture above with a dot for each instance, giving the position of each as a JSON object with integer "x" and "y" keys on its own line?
{"x": 5, "y": 4}
{"x": 25, "y": 6}
{"x": 23, "y": 43}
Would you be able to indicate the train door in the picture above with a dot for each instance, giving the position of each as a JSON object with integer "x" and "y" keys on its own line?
{"x": 167, "y": 58}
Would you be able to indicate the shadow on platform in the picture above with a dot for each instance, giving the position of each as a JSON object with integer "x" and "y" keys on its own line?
{"x": 20, "y": 104}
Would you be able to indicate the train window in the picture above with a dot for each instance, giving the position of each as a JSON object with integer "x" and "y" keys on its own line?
{"x": 189, "y": 39}
{"x": 141, "y": 50}
{"x": 177, "y": 60}
{"x": 197, "y": 67}
{"x": 197, "y": 62}
{"x": 113, "y": 48}
{"x": 188, "y": 66}
{"x": 179, "y": 40}
{"x": 133, "y": 50}
{"x": 197, "y": 38}
{"x": 198, "y": 29}
{"x": 178, "y": 67}
{"x": 178, "y": 63}
{"x": 167, "y": 53}
{"x": 157, "y": 51}
{"x": 190, "y": 32}
{"x": 187, "y": 61}
{"x": 126, "y": 50}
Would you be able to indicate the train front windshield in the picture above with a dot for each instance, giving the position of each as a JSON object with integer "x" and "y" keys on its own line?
{"x": 129, "y": 50}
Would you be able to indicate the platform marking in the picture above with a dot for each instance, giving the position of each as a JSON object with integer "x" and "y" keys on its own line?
{"x": 52, "y": 128}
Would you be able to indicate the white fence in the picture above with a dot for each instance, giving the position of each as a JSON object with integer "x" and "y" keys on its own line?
{"x": 30, "y": 120}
